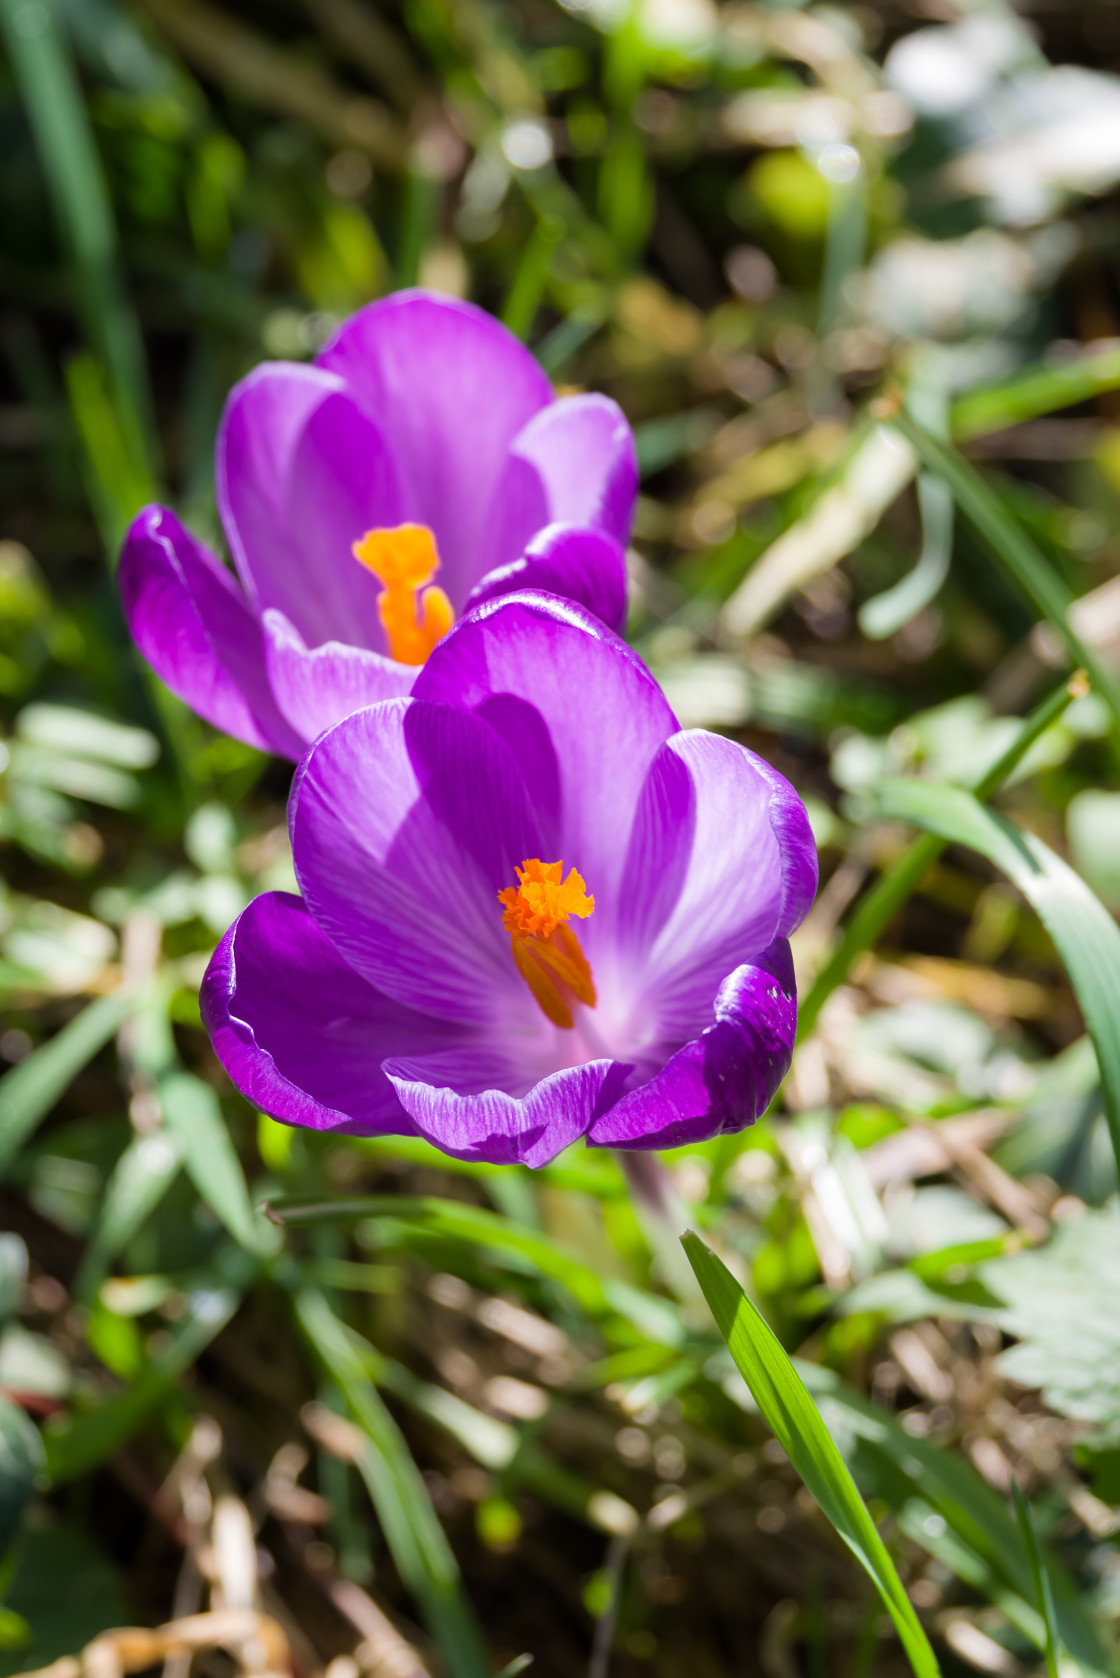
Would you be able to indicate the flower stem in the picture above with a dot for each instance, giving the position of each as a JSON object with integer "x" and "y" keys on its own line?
{"x": 662, "y": 1217}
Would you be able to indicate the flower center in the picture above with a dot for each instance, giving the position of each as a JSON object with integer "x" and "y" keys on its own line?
{"x": 414, "y": 617}
{"x": 545, "y": 949}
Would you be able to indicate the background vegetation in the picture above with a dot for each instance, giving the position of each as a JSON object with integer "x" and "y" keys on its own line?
{"x": 456, "y": 1416}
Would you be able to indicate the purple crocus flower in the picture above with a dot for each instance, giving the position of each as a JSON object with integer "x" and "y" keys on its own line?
{"x": 425, "y": 441}
{"x": 534, "y": 908}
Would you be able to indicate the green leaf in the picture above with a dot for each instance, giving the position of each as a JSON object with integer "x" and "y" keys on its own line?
{"x": 1024, "y": 563}
{"x": 59, "y": 120}
{"x": 1033, "y": 391}
{"x": 78, "y": 1442}
{"x": 66, "y": 1591}
{"x": 1043, "y": 1597}
{"x": 1084, "y": 933}
{"x": 943, "y": 1505}
{"x": 784, "y": 1401}
{"x": 1059, "y": 1301}
{"x": 194, "y": 1119}
{"x": 419, "y": 1547}
{"x": 13, "y": 1274}
{"x": 21, "y": 1462}
{"x": 653, "y": 1317}
{"x": 141, "y": 1177}
{"x": 30, "y": 1090}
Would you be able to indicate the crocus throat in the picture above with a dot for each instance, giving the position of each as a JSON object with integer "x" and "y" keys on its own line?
{"x": 414, "y": 617}
{"x": 545, "y": 949}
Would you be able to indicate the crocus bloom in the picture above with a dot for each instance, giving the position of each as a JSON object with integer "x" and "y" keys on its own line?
{"x": 533, "y": 908}
{"x": 420, "y": 466}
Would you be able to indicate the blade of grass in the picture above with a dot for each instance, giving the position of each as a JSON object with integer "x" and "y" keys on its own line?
{"x": 888, "y": 612}
{"x": 1021, "y": 559}
{"x": 77, "y": 1443}
{"x": 21, "y": 1462}
{"x": 419, "y": 1546}
{"x": 194, "y": 1120}
{"x": 30, "y": 1090}
{"x": 1043, "y": 1595}
{"x": 117, "y": 487}
{"x": 654, "y": 1318}
{"x": 797, "y": 1424}
{"x": 423, "y": 193}
{"x": 56, "y": 112}
{"x": 140, "y": 1179}
{"x": 879, "y": 907}
{"x": 975, "y": 1535}
{"x": 531, "y": 276}
{"x": 1084, "y": 933}
{"x": 1034, "y": 391}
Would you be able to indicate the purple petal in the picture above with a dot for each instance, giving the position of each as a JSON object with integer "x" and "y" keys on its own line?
{"x": 406, "y": 820}
{"x": 452, "y": 388}
{"x": 490, "y": 1125}
{"x": 198, "y": 632}
{"x": 318, "y": 686}
{"x": 574, "y": 461}
{"x": 720, "y": 864}
{"x": 581, "y": 715}
{"x": 303, "y": 472}
{"x": 723, "y": 1079}
{"x": 571, "y": 561}
{"x": 790, "y": 821}
{"x": 300, "y": 1033}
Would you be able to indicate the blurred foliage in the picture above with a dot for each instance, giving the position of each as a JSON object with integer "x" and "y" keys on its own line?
{"x": 432, "y": 1417}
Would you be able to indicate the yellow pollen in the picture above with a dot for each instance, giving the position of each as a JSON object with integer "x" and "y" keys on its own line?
{"x": 545, "y": 949}
{"x": 404, "y": 559}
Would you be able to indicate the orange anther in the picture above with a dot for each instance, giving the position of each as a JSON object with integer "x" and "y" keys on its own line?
{"x": 546, "y": 950}
{"x": 404, "y": 559}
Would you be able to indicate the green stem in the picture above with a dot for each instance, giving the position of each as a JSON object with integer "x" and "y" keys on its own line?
{"x": 906, "y": 873}
{"x": 661, "y": 1214}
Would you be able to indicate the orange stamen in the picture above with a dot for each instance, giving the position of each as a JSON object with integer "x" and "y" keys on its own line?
{"x": 545, "y": 949}
{"x": 414, "y": 617}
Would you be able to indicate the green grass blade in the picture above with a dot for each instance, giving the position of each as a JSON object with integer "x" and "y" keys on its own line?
{"x": 1024, "y": 563}
{"x": 30, "y": 1090}
{"x": 528, "y": 286}
{"x": 141, "y": 1178}
{"x": 1043, "y": 1597}
{"x": 58, "y": 117}
{"x": 1084, "y": 933}
{"x": 975, "y": 1536}
{"x": 77, "y": 1443}
{"x": 879, "y": 906}
{"x": 21, "y": 1462}
{"x": 419, "y": 1547}
{"x": 654, "y": 1317}
{"x": 785, "y": 1403}
{"x": 1034, "y": 391}
{"x": 194, "y": 1119}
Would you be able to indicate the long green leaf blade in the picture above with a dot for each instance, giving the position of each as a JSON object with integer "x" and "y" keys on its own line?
{"x": 30, "y": 1090}
{"x": 598, "y": 1295}
{"x": 1085, "y": 934}
{"x": 140, "y": 1179}
{"x": 75, "y": 181}
{"x": 1027, "y": 567}
{"x": 418, "y": 1543}
{"x": 194, "y": 1120}
{"x": 77, "y": 1443}
{"x": 976, "y": 1536}
{"x": 1033, "y": 391}
{"x": 785, "y": 1403}
{"x": 1043, "y": 1597}
{"x": 21, "y": 1463}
